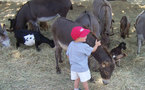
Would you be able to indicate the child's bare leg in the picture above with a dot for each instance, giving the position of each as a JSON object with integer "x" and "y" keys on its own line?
{"x": 85, "y": 84}
{"x": 76, "y": 83}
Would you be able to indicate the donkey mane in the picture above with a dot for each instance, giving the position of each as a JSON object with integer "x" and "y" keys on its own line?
{"x": 106, "y": 3}
{"x": 93, "y": 34}
{"x": 105, "y": 48}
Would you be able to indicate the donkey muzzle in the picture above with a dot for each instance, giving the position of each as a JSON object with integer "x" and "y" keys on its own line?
{"x": 105, "y": 82}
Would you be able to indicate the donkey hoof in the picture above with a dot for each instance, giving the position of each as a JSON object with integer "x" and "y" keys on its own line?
{"x": 60, "y": 61}
{"x": 117, "y": 65}
{"x": 38, "y": 49}
{"x": 92, "y": 80}
{"x": 58, "y": 72}
{"x": 96, "y": 70}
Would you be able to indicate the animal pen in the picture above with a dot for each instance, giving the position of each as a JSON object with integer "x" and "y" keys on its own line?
{"x": 26, "y": 69}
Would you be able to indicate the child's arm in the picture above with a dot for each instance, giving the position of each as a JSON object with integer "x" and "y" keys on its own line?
{"x": 97, "y": 43}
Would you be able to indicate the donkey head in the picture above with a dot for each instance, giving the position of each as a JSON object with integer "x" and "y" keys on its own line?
{"x": 4, "y": 39}
{"x": 107, "y": 64}
{"x": 106, "y": 69}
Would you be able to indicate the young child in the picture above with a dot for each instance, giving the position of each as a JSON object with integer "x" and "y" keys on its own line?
{"x": 78, "y": 53}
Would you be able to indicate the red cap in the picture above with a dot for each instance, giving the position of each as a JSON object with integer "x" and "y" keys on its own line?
{"x": 79, "y": 31}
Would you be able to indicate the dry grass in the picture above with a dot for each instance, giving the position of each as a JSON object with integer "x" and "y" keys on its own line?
{"x": 26, "y": 69}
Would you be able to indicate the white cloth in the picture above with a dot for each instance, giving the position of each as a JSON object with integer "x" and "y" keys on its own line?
{"x": 84, "y": 76}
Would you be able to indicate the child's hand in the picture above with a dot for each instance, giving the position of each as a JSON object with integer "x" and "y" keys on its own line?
{"x": 98, "y": 43}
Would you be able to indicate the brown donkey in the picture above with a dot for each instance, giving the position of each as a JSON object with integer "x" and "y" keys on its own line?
{"x": 40, "y": 11}
{"x": 124, "y": 27}
{"x": 61, "y": 30}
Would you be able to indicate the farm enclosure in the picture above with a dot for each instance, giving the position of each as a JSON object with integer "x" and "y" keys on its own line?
{"x": 26, "y": 69}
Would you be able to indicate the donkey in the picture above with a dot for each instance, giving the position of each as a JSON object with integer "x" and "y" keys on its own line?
{"x": 87, "y": 19}
{"x": 4, "y": 39}
{"x": 37, "y": 10}
{"x": 140, "y": 29}
{"x": 124, "y": 27}
{"x": 61, "y": 30}
{"x": 103, "y": 11}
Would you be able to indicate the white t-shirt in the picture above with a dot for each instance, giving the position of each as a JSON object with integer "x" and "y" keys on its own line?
{"x": 78, "y": 53}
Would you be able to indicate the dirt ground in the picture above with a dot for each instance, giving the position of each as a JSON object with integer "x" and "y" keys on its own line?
{"x": 27, "y": 69}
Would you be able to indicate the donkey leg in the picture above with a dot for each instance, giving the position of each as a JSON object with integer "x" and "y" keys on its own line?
{"x": 89, "y": 62}
{"x": 58, "y": 58}
{"x": 139, "y": 40}
{"x": 139, "y": 46}
{"x": 112, "y": 31}
{"x": 128, "y": 33}
{"x": 35, "y": 25}
{"x": 17, "y": 44}
{"x": 59, "y": 50}
{"x": 92, "y": 79}
{"x": 94, "y": 67}
{"x": 128, "y": 27}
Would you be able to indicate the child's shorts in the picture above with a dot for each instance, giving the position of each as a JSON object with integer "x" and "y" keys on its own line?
{"x": 84, "y": 76}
